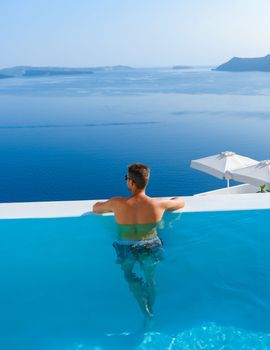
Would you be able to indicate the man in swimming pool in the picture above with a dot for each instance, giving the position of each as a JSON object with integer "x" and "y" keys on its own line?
{"x": 138, "y": 209}
{"x": 137, "y": 217}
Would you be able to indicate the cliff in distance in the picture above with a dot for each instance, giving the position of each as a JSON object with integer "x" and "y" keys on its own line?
{"x": 237, "y": 64}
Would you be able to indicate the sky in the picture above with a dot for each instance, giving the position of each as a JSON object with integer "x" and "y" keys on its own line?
{"x": 138, "y": 33}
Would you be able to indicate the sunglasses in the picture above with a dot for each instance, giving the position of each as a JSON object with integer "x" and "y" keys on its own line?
{"x": 128, "y": 178}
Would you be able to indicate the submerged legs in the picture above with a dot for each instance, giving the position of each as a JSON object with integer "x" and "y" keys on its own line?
{"x": 146, "y": 256}
{"x": 138, "y": 288}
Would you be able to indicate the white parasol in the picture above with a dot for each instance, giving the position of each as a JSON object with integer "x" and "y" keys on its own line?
{"x": 258, "y": 174}
{"x": 220, "y": 165}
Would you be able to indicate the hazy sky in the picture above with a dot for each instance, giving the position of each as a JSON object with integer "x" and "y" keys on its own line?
{"x": 132, "y": 32}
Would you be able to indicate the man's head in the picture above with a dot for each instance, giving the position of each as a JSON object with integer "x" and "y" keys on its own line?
{"x": 138, "y": 175}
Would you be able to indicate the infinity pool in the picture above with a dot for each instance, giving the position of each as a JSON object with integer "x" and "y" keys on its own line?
{"x": 62, "y": 289}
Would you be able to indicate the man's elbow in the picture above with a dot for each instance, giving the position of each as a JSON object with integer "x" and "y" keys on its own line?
{"x": 177, "y": 205}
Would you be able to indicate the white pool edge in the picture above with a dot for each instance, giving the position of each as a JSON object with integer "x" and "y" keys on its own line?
{"x": 204, "y": 203}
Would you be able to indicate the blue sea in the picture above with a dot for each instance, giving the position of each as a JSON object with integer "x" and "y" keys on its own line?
{"x": 65, "y": 138}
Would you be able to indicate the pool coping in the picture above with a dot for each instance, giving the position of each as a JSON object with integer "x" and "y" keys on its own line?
{"x": 204, "y": 203}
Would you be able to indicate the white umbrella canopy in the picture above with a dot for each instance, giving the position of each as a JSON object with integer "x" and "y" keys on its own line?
{"x": 220, "y": 165}
{"x": 258, "y": 174}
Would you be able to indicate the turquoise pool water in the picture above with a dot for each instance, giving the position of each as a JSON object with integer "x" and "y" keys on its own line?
{"x": 61, "y": 288}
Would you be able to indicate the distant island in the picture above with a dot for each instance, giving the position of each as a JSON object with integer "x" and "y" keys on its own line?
{"x": 28, "y": 71}
{"x": 182, "y": 67}
{"x": 237, "y": 64}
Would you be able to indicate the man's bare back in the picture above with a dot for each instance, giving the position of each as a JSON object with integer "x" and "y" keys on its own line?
{"x": 138, "y": 209}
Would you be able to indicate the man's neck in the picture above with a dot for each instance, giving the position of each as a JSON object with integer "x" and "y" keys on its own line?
{"x": 138, "y": 193}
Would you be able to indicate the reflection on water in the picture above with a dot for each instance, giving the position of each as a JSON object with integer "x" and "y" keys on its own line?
{"x": 207, "y": 336}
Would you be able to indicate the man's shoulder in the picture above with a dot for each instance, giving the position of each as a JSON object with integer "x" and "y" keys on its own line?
{"x": 158, "y": 200}
{"x": 118, "y": 199}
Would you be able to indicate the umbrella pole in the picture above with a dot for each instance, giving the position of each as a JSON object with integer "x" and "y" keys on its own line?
{"x": 228, "y": 183}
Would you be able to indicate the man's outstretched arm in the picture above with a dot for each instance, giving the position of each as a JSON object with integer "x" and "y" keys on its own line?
{"x": 103, "y": 207}
{"x": 174, "y": 203}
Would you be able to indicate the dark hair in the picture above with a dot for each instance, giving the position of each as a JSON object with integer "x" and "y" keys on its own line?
{"x": 139, "y": 174}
